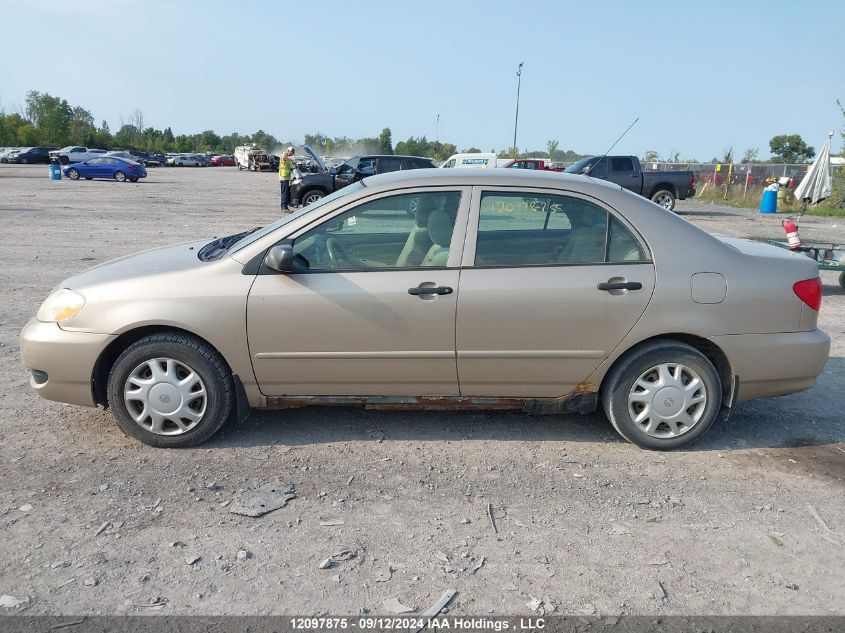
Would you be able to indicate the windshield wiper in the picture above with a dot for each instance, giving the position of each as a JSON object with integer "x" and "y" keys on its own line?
{"x": 218, "y": 247}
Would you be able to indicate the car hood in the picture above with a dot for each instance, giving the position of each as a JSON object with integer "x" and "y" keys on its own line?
{"x": 314, "y": 157}
{"x": 153, "y": 262}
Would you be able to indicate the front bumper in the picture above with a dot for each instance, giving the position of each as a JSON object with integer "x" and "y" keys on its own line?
{"x": 295, "y": 190}
{"x": 67, "y": 359}
{"x": 775, "y": 364}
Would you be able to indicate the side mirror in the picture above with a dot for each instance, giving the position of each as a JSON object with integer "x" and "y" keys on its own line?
{"x": 280, "y": 258}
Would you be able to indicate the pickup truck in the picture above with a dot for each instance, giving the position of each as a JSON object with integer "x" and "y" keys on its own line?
{"x": 531, "y": 163}
{"x": 661, "y": 187}
{"x": 75, "y": 154}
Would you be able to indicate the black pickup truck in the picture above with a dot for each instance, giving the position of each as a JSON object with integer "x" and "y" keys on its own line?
{"x": 662, "y": 187}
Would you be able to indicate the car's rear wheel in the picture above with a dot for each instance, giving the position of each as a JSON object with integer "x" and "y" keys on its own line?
{"x": 24, "y": 161}
{"x": 664, "y": 198}
{"x": 662, "y": 396}
{"x": 311, "y": 196}
{"x": 170, "y": 390}
{"x": 842, "y": 280}
{"x": 73, "y": 174}
{"x": 119, "y": 176}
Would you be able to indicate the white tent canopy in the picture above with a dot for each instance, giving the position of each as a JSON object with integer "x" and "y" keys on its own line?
{"x": 816, "y": 185}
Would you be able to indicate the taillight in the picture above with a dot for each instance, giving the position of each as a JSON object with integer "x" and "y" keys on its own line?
{"x": 692, "y": 180}
{"x": 810, "y": 292}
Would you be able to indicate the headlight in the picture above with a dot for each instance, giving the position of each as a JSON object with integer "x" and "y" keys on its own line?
{"x": 62, "y": 305}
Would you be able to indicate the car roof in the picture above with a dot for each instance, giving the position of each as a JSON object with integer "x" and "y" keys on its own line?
{"x": 487, "y": 177}
{"x": 392, "y": 156}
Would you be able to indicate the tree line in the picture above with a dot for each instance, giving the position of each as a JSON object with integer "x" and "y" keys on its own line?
{"x": 48, "y": 120}
{"x": 53, "y": 121}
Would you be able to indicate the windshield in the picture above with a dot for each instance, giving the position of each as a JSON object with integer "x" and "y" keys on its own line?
{"x": 575, "y": 168}
{"x": 257, "y": 235}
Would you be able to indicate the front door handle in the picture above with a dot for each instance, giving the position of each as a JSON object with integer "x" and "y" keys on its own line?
{"x": 430, "y": 290}
{"x": 620, "y": 285}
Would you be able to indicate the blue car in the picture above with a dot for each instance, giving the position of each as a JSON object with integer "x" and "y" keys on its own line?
{"x": 118, "y": 169}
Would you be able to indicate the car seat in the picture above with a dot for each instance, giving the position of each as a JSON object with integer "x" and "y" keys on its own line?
{"x": 586, "y": 244}
{"x": 440, "y": 228}
{"x": 418, "y": 242}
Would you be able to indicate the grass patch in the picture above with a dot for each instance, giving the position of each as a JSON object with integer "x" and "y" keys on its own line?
{"x": 735, "y": 197}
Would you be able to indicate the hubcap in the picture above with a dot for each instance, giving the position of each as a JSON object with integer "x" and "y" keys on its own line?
{"x": 165, "y": 396}
{"x": 664, "y": 201}
{"x": 312, "y": 198}
{"x": 667, "y": 400}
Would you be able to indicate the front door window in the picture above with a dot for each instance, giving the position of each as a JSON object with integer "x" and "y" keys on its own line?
{"x": 405, "y": 231}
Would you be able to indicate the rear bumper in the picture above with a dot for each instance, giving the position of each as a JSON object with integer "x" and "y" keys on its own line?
{"x": 67, "y": 359}
{"x": 775, "y": 364}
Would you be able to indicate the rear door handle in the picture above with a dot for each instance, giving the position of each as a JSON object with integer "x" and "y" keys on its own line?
{"x": 620, "y": 285}
{"x": 430, "y": 290}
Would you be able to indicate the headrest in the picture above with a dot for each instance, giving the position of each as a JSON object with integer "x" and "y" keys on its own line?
{"x": 440, "y": 227}
{"x": 425, "y": 206}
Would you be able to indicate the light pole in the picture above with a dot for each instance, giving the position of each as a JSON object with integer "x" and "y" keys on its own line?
{"x": 437, "y": 134}
{"x": 516, "y": 120}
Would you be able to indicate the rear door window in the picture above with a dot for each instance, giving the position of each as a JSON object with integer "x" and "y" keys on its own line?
{"x": 389, "y": 164}
{"x": 530, "y": 229}
{"x": 622, "y": 164}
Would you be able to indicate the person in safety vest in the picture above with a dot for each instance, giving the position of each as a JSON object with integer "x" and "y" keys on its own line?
{"x": 286, "y": 165}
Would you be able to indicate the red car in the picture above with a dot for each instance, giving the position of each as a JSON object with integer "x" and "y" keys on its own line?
{"x": 532, "y": 163}
{"x": 223, "y": 161}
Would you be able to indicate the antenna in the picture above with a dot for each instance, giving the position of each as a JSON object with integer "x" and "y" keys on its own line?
{"x": 621, "y": 137}
{"x": 628, "y": 129}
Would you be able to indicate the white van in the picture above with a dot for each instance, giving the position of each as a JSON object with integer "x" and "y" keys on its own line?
{"x": 478, "y": 159}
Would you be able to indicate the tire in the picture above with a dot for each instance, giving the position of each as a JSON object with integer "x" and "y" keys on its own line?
{"x": 664, "y": 198}
{"x": 641, "y": 368}
{"x": 175, "y": 354}
{"x": 133, "y": 179}
{"x": 24, "y": 161}
{"x": 64, "y": 160}
{"x": 842, "y": 280}
{"x": 310, "y": 196}
{"x": 88, "y": 178}
{"x": 119, "y": 176}
{"x": 73, "y": 174}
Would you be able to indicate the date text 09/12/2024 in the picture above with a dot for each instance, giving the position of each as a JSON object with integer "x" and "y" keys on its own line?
{"x": 416, "y": 623}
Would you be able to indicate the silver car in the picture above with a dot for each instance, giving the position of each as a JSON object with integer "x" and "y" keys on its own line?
{"x": 501, "y": 289}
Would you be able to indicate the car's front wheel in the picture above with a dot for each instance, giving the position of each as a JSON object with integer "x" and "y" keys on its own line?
{"x": 73, "y": 174}
{"x": 664, "y": 198}
{"x": 170, "y": 390}
{"x": 662, "y": 396}
{"x": 119, "y": 176}
{"x": 311, "y": 196}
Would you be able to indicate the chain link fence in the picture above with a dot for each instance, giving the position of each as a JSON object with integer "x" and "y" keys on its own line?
{"x": 742, "y": 180}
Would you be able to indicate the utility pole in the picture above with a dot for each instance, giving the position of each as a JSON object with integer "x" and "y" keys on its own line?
{"x": 437, "y": 135}
{"x": 516, "y": 120}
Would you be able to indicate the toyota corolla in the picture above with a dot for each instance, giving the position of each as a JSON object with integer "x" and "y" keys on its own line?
{"x": 439, "y": 289}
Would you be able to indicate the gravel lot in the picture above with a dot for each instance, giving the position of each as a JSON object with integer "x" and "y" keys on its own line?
{"x": 93, "y": 522}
